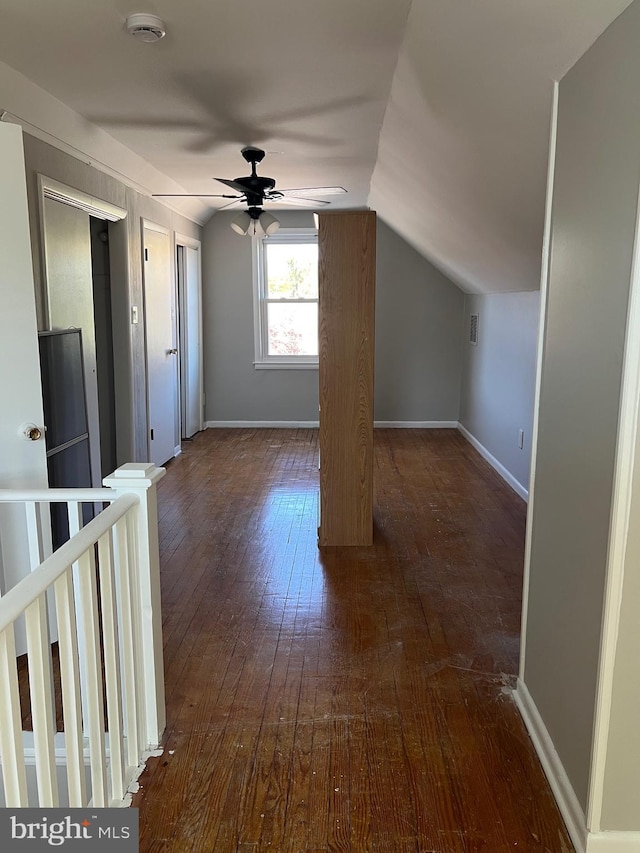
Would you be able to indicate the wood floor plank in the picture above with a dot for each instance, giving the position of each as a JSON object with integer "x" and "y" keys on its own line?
{"x": 347, "y": 699}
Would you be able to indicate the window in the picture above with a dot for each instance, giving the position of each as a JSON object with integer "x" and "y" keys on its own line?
{"x": 286, "y": 299}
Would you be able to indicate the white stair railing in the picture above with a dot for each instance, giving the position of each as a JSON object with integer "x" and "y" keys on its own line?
{"x": 99, "y": 594}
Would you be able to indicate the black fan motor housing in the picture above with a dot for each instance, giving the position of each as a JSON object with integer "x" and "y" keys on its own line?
{"x": 256, "y": 184}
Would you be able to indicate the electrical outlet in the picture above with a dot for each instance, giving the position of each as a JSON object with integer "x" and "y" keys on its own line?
{"x": 521, "y": 439}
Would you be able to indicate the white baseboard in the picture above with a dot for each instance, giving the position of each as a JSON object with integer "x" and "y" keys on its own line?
{"x": 314, "y": 424}
{"x": 613, "y": 842}
{"x": 506, "y": 475}
{"x": 565, "y": 796}
{"x": 415, "y": 424}
{"x": 177, "y": 451}
{"x": 570, "y": 808}
{"x": 261, "y": 424}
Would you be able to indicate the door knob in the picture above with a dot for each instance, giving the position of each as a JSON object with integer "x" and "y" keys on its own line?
{"x": 173, "y": 351}
{"x": 31, "y": 432}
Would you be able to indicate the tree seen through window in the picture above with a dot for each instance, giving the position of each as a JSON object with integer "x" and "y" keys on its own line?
{"x": 292, "y": 299}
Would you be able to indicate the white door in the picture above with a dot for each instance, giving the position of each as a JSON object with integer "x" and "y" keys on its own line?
{"x": 190, "y": 339}
{"x": 23, "y": 463}
{"x": 162, "y": 351}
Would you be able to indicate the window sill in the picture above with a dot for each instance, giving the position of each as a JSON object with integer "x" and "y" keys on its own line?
{"x": 285, "y": 365}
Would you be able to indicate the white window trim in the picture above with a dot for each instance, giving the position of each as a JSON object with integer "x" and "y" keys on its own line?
{"x": 275, "y": 362}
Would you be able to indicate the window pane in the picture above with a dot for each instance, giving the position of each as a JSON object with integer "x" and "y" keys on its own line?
{"x": 293, "y": 329}
{"x": 292, "y": 270}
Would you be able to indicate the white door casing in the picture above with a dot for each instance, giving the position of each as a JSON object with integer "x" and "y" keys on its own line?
{"x": 190, "y": 301}
{"x": 69, "y": 285}
{"x": 161, "y": 347}
{"x": 68, "y": 280}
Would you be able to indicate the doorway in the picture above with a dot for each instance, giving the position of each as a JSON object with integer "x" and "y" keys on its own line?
{"x": 78, "y": 288}
{"x": 103, "y": 327}
{"x": 67, "y": 255}
{"x": 188, "y": 277}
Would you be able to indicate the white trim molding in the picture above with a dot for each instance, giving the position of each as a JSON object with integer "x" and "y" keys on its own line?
{"x": 94, "y": 206}
{"x": 185, "y": 240}
{"x": 261, "y": 424}
{"x": 568, "y": 803}
{"x": 314, "y": 424}
{"x": 618, "y": 535}
{"x": 415, "y": 424}
{"x": 565, "y": 796}
{"x": 285, "y": 365}
{"x": 613, "y": 842}
{"x": 153, "y": 226}
{"x": 506, "y": 475}
{"x": 542, "y": 332}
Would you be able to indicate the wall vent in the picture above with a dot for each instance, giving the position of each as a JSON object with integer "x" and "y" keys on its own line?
{"x": 473, "y": 329}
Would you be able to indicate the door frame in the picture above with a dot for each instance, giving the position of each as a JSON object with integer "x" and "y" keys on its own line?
{"x": 50, "y": 189}
{"x": 57, "y": 191}
{"x": 182, "y": 240}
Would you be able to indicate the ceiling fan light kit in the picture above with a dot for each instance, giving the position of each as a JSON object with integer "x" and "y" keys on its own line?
{"x": 268, "y": 223}
{"x": 255, "y": 223}
{"x": 241, "y": 223}
{"x": 146, "y": 28}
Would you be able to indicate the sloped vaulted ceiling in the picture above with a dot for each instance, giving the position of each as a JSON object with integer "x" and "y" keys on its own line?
{"x": 462, "y": 157}
{"x": 433, "y": 112}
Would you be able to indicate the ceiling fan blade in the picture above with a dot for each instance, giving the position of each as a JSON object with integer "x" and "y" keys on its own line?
{"x": 234, "y": 186}
{"x": 319, "y": 190}
{"x": 196, "y": 195}
{"x": 231, "y": 203}
{"x": 302, "y": 202}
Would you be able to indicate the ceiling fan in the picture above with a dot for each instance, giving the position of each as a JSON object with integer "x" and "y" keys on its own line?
{"x": 254, "y": 190}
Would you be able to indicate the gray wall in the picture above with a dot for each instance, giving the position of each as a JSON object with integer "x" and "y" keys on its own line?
{"x": 419, "y": 318}
{"x": 498, "y": 377}
{"x": 593, "y": 224}
{"x": 234, "y": 389}
{"x": 126, "y": 276}
{"x": 418, "y": 327}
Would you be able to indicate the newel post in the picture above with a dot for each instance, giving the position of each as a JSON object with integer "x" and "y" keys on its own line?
{"x": 141, "y": 478}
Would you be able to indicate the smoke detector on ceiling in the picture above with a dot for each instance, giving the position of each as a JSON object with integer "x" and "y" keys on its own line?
{"x": 147, "y": 28}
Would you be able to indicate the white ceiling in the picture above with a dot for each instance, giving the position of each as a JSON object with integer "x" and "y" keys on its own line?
{"x": 440, "y": 123}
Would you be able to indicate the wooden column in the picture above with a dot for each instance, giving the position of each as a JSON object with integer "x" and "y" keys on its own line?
{"x": 347, "y": 263}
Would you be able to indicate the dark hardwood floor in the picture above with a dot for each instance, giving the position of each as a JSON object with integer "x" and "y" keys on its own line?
{"x": 353, "y": 699}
